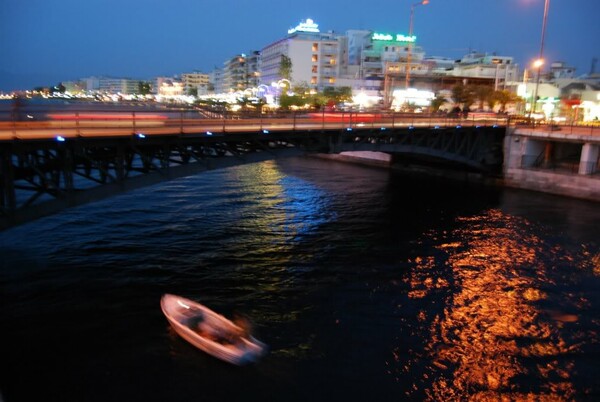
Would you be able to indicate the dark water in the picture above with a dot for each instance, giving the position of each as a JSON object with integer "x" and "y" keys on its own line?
{"x": 365, "y": 285}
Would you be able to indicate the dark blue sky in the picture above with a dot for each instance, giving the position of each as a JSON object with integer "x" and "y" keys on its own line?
{"x": 43, "y": 42}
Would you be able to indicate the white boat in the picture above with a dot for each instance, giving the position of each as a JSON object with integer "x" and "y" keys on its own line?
{"x": 211, "y": 332}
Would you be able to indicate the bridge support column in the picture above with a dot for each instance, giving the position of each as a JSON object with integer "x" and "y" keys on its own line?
{"x": 532, "y": 150}
{"x": 589, "y": 159}
{"x": 7, "y": 195}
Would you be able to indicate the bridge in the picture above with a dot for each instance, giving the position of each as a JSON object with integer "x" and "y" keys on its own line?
{"x": 50, "y": 164}
{"x": 562, "y": 160}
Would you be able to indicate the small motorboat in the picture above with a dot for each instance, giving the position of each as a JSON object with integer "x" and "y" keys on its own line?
{"x": 211, "y": 332}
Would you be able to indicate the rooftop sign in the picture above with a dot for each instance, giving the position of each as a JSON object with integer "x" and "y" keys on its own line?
{"x": 305, "y": 26}
{"x": 397, "y": 38}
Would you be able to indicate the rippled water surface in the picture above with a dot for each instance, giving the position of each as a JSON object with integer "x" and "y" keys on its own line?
{"x": 366, "y": 285}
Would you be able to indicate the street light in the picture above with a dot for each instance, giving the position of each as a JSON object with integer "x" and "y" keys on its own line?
{"x": 540, "y": 61}
{"x": 410, "y": 32}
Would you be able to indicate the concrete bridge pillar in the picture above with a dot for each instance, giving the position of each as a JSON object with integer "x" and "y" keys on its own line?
{"x": 589, "y": 159}
{"x": 531, "y": 152}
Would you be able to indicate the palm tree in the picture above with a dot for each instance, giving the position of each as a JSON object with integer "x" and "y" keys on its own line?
{"x": 505, "y": 97}
{"x": 482, "y": 94}
{"x": 463, "y": 94}
{"x": 493, "y": 100}
{"x": 285, "y": 67}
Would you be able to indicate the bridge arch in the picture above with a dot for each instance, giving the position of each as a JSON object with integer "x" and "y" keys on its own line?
{"x": 475, "y": 148}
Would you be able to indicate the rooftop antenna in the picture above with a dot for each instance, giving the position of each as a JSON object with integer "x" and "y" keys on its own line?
{"x": 594, "y": 61}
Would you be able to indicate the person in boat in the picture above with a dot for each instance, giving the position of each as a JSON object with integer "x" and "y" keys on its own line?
{"x": 198, "y": 324}
{"x": 195, "y": 321}
{"x": 244, "y": 325}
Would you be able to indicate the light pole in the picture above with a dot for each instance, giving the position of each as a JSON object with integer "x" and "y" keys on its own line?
{"x": 540, "y": 61}
{"x": 410, "y": 32}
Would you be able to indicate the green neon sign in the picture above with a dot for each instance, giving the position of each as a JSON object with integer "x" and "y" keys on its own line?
{"x": 394, "y": 38}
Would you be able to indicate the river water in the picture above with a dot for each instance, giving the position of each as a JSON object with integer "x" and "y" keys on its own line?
{"x": 365, "y": 284}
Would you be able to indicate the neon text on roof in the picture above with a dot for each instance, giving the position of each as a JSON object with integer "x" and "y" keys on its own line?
{"x": 305, "y": 26}
{"x": 397, "y": 38}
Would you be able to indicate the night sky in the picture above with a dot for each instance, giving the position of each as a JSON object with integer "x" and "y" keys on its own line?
{"x": 43, "y": 42}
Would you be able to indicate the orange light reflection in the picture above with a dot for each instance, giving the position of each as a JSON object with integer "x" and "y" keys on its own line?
{"x": 492, "y": 341}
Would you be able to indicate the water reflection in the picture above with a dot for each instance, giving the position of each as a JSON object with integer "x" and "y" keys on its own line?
{"x": 276, "y": 208}
{"x": 494, "y": 339}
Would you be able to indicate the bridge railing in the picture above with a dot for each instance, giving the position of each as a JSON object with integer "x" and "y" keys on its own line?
{"x": 35, "y": 121}
{"x": 566, "y": 127}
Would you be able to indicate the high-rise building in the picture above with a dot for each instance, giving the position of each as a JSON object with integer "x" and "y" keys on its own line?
{"x": 241, "y": 72}
{"x": 317, "y": 58}
{"x": 215, "y": 79}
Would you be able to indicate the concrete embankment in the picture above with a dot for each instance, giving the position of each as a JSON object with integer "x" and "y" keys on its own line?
{"x": 580, "y": 179}
{"x": 384, "y": 160}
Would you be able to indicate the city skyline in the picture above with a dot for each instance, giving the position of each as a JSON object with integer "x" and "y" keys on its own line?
{"x": 43, "y": 44}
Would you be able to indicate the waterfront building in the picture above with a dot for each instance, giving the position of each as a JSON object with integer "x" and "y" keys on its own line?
{"x": 386, "y": 56}
{"x": 317, "y": 58}
{"x": 195, "y": 81}
{"x": 253, "y": 61}
{"x": 358, "y": 40}
{"x": 501, "y": 69}
{"x": 234, "y": 73}
{"x": 241, "y": 72}
{"x": 215, "y": 80}
{"x": 110, "y": 85}
{"x": 168, "y": 86}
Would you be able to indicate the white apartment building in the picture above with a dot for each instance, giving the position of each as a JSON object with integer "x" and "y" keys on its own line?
{"x": 480, "y": 65}
{"x": 112, "y": 85}
{"x": 317, "y": 58}
{"x": 358, "y": 40}
{"x": 241, "y": 72}
{"x": 195, "y": 81}
{"x": 384, "y": 53}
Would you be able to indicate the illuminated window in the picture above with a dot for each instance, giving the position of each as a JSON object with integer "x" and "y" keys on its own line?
{"x": 315, "y": 57}
{"x": 314, "y": 69}
{"x": 313, "y": 80}
{"x": 332, "y": 61}
{"x": 331, "y": 80}
{"x": 315, "y": 47}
